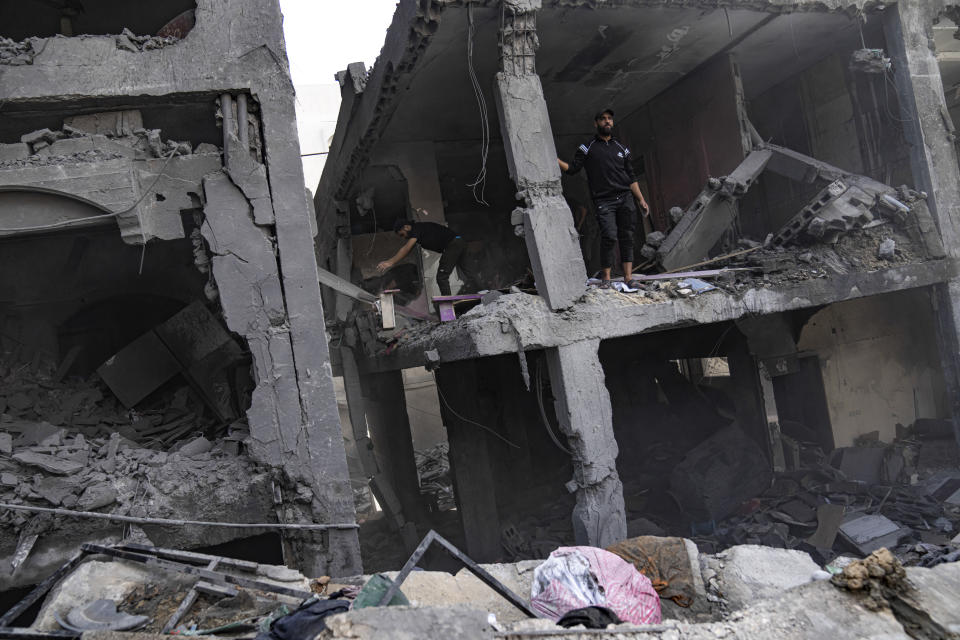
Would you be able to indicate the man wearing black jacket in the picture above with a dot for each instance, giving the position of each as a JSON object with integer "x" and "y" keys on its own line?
{"x": 613, "y": 187}
{"x": 432, "y": 237}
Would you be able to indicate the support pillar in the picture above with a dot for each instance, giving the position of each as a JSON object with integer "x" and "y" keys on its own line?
{"x": 908, "y": 27}
{"x": 585, "y": 415}
{"x": 552, "y": 241}
{"x": 389, "y": 426}
{"x": 470, "y": 462}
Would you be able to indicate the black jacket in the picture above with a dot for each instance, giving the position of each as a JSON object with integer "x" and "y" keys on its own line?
{"x": 608, "y": 166}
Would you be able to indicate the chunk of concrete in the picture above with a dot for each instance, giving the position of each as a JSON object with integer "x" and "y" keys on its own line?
{"x": 9, "y": 479}
{"x": 95, "y": 580}
{"x": 408, "y": 623}
{"x": 747, "y": 573}
{"x": 195, "y": 447}
{"x": 112, "y": 123}
{"x": 97, "y": 496}
{"x": 935, "y": 594}
{"x": 54, "y": 490}
{"x": 15, "y": 151}
{"x": 40, "y": 135}
{"x": 655, "y": 238}
{"x": 6, "y": 443}
{"x": 48, "y": 463}
{"x": 438, "y": 588}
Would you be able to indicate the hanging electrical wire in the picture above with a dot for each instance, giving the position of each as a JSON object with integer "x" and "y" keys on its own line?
{"x": 543, "y": 413}
{"x": 480, "y": 182}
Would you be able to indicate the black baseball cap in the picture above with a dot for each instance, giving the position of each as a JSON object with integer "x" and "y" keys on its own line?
{"x": 399, "y": 223}
{"x": 600, "y": 113}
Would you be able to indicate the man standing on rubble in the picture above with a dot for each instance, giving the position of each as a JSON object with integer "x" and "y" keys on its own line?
{"x": 612, "y": 181}
{"x": 433, "y": 237}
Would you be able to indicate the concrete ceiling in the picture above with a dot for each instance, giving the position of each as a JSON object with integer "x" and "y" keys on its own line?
{"x": 616, "y": 56}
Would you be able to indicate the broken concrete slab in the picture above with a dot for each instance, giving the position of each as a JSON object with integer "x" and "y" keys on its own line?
{"x": 95, "y": 580}
{"x": 438, "y": 588}
{"x": 408, "y": 623}
{"x": 14, "y": 151}
{"x": 49, "y": 463}
{"x": 745, "y": 574}
{"x": 97, "y": 496}
{"x": 869, "y": 532}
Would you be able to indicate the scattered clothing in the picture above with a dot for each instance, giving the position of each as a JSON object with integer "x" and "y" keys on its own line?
{"x": 577, "y": 577}
{"x": 665, "y": 562}
{"x": 306, "y": 622}
{"x": 590, "y": 617}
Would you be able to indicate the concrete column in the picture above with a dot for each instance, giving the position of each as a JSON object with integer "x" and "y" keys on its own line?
{"x": 908, "y": 27}
{"x": 386, "y": 410}
{"x": 552, "y": 241}
{"x": 470, "y": 460}
{"x": 946, "y": 303}
{"x": 319, "y": 439}
{"x": 585, "y": 415}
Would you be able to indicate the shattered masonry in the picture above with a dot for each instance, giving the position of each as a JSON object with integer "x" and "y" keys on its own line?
{"x": 163, "y": 306}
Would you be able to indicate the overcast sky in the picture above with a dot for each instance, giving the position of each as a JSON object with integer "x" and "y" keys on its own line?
{"x": 323, "y": 37}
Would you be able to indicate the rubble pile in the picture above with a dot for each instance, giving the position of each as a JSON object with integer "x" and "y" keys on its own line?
{"x": 17, "y": 53}
{"x": 825, "y": 511}
{"x": 436, "y": 485}
{"x": 88, "y": 140}
{"x": 128, "y": 41}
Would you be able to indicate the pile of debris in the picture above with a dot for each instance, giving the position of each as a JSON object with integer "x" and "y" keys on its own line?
{"x": 129, "y": 41}
{"x": 436, "y": 485}
{"x": 861, "y": 499}
{"x": 92, "y": 139}
{"x": 17, "y": 53}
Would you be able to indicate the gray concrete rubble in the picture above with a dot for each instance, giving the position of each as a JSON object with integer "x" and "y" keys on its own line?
{"x": 108, "y": 159}
{"x": 164, "y": 152}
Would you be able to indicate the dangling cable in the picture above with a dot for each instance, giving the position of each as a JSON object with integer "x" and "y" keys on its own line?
{"x": 481, "y": 179}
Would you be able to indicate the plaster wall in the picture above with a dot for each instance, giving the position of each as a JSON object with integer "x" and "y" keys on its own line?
{"x": 879, "y": 363}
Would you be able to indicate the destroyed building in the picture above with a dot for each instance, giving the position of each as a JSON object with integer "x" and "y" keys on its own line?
{"x": 799, "y": 288}
{"x": 163, "y": 353}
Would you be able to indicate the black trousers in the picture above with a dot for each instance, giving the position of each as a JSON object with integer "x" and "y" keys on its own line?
{"x": 617, "y": 218}
{"x": 449, "y": 259}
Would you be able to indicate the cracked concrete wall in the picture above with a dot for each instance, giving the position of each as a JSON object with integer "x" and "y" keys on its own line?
{"x": 933, "y": 158}
{"x": 237, "y": 45}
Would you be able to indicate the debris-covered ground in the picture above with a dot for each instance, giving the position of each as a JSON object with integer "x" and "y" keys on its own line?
{"x": 747, "y": 591}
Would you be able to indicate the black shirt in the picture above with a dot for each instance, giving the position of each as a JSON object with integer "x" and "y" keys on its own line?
{"x": 431, "y": 236}
{"x": 609, "y": 171}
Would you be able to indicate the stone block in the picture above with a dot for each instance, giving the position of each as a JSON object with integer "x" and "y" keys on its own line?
{"x": 15, "y": 151}
{"x": 40, "y": 135}
{"x": 48, "y": 463}
{"x": 96, "y": 496}
{"x": 111, "y": 123}
{"x": 747, "y": 573}
{"x": 409, "y": 623}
